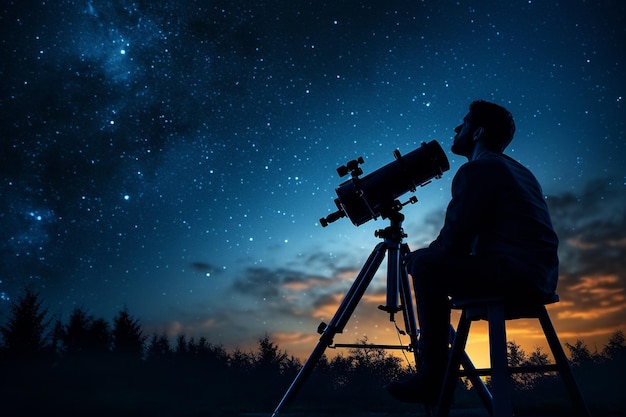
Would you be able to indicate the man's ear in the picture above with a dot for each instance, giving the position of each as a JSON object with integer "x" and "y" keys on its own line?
{"x": 478, "y": 133}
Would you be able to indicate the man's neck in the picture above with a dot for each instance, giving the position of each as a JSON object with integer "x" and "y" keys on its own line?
{"x": 479, "y": 150}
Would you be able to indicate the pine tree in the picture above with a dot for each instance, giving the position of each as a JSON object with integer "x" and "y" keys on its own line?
{"x": 127, "y": 335}
{"x": 25, "y": 333}
{"x": 159, "y": 348}
{"x": 75, "y": 332}
{"x": 85, "y": 335}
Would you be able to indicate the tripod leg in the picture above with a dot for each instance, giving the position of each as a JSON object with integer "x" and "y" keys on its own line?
{"x": 305, "y": 371}
{"x": 338, "y": 322}
{"x": 398, "y": 284}
{"x": 408, "y": 312}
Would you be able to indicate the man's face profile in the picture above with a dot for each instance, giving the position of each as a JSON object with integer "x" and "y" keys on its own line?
{"x": 463, "y": 143}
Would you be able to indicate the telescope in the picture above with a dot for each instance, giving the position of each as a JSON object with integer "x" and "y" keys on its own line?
{"x": 363, "y": 199}
{"x": 375, "y": 195}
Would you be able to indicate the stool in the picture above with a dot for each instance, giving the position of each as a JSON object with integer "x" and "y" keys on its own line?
{"x": 496, "y": 311}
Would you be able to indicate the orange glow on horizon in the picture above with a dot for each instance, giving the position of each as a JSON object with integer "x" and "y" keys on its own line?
{"x": 526, "y": 333}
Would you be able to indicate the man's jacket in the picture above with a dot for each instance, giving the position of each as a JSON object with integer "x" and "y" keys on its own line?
{"x": 498, "y": 212}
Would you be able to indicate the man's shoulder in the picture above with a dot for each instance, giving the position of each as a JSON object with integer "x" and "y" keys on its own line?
{"x": 486, "y": 162}
{"x": 492, "y": 161}
{"x": 493, "y": 168}
{"x": 496, "y": 170}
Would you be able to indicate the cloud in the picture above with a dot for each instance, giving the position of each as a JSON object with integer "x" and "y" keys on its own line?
{"x": 288, "y": 301}
{"x": 267, "y": 282}
{"x": 206, "y": 268}
{"x": 426, "y": 231}
{"x": 303, "y": 296}
{"x": 592, "y": 229}
{"x": 591, "y": 226}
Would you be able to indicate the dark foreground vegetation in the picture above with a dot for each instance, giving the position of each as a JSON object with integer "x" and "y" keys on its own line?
{"x": 89, "y": 367}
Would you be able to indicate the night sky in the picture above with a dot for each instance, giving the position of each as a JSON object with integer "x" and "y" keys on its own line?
{"x": 174, "y": 157}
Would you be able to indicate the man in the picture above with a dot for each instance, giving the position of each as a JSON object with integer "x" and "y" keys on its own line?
{"x": 497, "y": 239}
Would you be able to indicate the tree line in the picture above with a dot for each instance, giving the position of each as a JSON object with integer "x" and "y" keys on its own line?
{"x": 88, "y": 366}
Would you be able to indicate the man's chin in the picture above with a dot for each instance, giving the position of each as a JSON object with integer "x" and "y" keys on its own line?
{"x": 457, "y": 150}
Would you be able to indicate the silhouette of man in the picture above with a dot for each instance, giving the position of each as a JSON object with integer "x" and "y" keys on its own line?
{"x": 497, "y": 239}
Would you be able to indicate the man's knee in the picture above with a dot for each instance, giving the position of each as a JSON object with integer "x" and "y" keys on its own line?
{"x": 423, "y": 262}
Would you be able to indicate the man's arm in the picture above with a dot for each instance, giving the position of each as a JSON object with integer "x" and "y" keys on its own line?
{"x": 471, "y": 200}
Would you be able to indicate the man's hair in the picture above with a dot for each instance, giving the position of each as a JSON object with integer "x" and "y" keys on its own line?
{"x": 496, "y": 121}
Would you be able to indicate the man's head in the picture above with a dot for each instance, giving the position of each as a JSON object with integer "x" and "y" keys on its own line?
{"x": 486, "y": 122}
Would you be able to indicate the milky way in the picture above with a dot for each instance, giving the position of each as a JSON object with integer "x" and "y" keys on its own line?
{"x": 175, "y": 157}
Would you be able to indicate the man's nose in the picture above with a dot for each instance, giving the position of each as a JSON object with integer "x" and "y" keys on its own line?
{"x": 457, "y": 129}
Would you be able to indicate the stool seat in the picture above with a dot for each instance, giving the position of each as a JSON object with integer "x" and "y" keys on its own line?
{"x": 517, "y": 308}
{"x": 496, "y": 311}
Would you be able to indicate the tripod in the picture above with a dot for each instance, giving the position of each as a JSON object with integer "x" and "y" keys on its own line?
{"x": 397, "y": 286}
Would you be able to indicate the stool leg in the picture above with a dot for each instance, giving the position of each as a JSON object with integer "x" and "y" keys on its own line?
{"x": 449, "y": 381}
{"x": 477, "y": 383}
{"x": 561, "y": 361}
{"x": 500, "y": 378}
